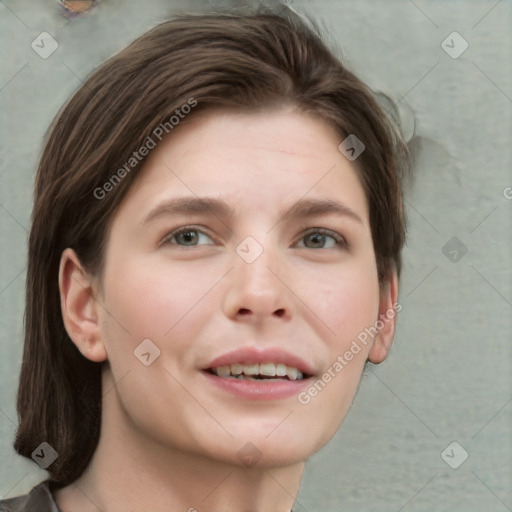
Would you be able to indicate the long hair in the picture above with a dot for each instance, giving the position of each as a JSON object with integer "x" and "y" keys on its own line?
{"x": 233, "y": 61}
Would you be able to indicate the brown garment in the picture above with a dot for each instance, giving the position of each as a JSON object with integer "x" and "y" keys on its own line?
{"x": 39, "y": 499}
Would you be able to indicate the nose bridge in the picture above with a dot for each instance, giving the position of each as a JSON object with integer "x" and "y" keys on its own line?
{"x": 255, "y": 287}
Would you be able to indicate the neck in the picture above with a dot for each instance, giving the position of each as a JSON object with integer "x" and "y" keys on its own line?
{"x": 129, "y": 471}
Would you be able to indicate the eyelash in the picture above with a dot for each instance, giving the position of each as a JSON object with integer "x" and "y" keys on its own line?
{"x": 339, "y": 239}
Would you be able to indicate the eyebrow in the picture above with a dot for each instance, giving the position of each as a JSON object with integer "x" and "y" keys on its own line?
{"x": 314, "y": 207}
{"x": 201, "y": 205}
{"x": 187, "y": 206}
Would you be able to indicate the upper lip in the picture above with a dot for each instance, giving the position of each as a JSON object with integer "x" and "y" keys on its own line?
{"x": 252, "y": 355}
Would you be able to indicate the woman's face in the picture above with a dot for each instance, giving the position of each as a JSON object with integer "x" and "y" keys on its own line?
{"x": 245, "y": 240}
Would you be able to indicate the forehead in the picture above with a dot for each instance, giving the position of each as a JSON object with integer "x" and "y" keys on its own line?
{"x": 265, "y": 156}
{"x": 286, "y": 133}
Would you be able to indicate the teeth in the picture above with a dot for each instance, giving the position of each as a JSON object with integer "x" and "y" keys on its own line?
{"x": 236, "y": 369}
{"x": 264, "y": 369}
{"x": 251, "y": 369}
{"x": 223, "y": 371}
{"x": 268, "y": 369}
{"x": 292, "y": 373}
{"x": 280, "y": 370}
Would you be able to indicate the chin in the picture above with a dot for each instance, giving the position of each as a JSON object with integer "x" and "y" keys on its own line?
{"x": 267, "y": 448}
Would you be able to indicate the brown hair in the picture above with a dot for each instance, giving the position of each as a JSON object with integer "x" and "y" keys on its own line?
{"x": 245, "y": 61}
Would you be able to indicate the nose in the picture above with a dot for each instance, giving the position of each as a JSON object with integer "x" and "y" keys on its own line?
{"x": 258, "y": 291}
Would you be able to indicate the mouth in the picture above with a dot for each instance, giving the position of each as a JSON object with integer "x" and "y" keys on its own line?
{"x": 252, "y": 373}
{"x": 269, "y": 371}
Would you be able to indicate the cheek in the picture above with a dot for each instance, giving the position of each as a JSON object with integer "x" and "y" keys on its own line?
{"x": 345, "y": 299}
{"x": 348, "y": 309}
{"x": 152, "y": 298}
{"x": 353, "y": 308}
{"x": 348, "y": 303}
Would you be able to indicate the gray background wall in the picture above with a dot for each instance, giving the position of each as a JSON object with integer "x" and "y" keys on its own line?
{"x": 449, "y": 374}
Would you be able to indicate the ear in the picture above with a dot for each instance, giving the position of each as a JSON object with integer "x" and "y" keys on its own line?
{"x": 388, "y": 309}
{"x": 79, "y": 307}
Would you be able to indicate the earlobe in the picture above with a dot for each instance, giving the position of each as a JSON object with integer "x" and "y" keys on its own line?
{"x": 388, "y": 310}
{"x": 79, "y": 307}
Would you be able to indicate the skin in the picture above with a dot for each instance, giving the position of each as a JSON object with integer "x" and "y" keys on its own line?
{"x": 167, "y": 436}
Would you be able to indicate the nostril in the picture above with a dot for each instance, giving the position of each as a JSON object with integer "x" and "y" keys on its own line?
{"x": 278, "y": 312}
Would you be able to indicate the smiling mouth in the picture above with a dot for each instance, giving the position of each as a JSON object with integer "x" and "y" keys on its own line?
{"x": 263, "y": 371}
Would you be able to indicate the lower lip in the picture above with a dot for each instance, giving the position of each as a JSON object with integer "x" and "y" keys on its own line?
{"x": 258, "y": 389}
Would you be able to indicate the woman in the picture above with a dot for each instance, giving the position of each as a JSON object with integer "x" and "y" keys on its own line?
{"x": 214, "y": 256}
